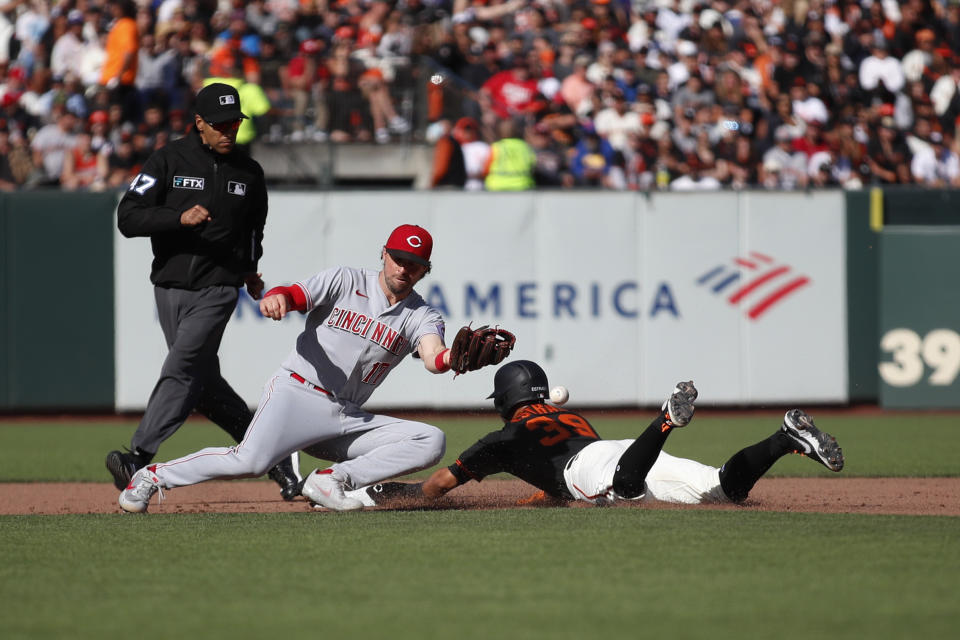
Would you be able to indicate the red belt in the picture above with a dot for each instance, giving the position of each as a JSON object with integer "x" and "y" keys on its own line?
{"x": 303, "y": 380}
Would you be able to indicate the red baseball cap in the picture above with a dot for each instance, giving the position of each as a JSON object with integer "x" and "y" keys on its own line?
{"x": 410, "y": 242}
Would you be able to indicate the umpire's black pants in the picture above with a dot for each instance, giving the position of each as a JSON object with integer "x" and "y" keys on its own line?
{"x": 193, "y": 324}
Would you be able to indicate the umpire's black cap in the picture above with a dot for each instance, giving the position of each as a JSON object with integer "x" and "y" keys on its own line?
{"x": 218, "y": 102}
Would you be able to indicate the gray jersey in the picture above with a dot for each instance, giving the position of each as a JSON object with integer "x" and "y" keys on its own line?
{"x": 354, "y": 337}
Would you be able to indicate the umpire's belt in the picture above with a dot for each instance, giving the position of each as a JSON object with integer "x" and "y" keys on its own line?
{"x": 303, "y": 380}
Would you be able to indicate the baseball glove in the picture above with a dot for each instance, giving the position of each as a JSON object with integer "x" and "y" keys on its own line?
{"x": 476, "y": 348}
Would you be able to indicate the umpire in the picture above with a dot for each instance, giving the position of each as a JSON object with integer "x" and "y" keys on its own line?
{"x": 203, "y": 204}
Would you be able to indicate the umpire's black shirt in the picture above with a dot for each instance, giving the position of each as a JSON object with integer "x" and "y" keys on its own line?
{"x": 178, "y": 176}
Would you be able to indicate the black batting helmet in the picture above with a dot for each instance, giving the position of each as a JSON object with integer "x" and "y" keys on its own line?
{"x": 518, "y": 383}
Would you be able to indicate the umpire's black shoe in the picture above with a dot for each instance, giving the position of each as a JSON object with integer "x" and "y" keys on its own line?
{"x": 285, "y": 474}
{"x": 121, "y": 466}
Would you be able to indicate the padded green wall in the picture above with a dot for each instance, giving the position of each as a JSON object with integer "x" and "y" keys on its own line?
{"x": 920, "y": 317}
{"x": 56, "y": 284}
{"x": 863, "y": 259}
{"x": 903, "y": 252}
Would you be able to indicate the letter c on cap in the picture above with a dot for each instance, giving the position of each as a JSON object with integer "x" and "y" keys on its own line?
{"x": 414, "y": 241}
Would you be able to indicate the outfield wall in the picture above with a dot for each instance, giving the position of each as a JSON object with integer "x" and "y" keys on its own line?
{"x": 903, "y": 303}
{"x": 920, "y": 317}
{"x": 759, "y": 297}
{"x": 56, "y": 300}
{"x": 617, "y": 296}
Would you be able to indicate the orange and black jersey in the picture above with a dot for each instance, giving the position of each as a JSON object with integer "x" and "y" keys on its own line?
{"x": 535, "y": 446}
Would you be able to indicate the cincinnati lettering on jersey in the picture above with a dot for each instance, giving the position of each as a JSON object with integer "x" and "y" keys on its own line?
{"x": 370, "y": 328}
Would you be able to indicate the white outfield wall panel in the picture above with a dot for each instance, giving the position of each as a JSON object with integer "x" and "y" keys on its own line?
{"x": 688, "y": 333}
{"x": 618, "y": 296}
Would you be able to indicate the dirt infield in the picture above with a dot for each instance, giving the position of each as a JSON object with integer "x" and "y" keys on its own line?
{"x": 901, "y": 496}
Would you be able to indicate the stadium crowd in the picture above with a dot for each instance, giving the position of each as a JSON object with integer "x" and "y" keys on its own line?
{"x": 617, "y": 94}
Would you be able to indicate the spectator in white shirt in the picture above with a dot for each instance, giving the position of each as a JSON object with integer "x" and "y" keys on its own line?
{"x": 944, "y": 89}
{"x": 671, "y": 21}
{"x": 603, "y": 66}
{"x": 935, "y": 164}
{"x": 68, "y": 49}
{"x": 51, "y": 144}
{"x": 685, "y": 65}
{"x": 29, "y": 28}
{"x": 782, "y": 167}
{"x": 880, "y": 68}
{"x": 91, "y": 62}
{"x": 806, "y": 106}
{"x": 617, "y": 122}
{"x": 916, "y": 61}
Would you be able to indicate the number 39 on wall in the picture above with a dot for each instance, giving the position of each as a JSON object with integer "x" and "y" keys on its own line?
{"x": 939, "y": 350}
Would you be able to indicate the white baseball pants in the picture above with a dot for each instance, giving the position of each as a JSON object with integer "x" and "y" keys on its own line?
{"x": 589, "y": 476}
{"x": 367, "y": 447}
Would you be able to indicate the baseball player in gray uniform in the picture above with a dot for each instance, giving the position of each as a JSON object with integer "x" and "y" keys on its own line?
{"x": 360, "y": 325}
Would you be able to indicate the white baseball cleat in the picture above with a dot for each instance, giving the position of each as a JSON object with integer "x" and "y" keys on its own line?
{"x": 136, "y": 497}
{"x": 363, "y": 495}
{"x": 325, "y": 488}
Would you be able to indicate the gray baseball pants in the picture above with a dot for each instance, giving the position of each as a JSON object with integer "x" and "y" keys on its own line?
{"x": 193, "y": 323}
{"x": 292, "y": 416}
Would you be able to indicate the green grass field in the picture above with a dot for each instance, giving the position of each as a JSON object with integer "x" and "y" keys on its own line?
{"x": 546, "y": 573}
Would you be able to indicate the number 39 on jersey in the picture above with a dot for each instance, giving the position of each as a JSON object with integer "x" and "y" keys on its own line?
{"x": 559, "y": 427}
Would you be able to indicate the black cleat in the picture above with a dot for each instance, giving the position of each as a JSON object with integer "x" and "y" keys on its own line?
{"x": 285, "y": 474}
{"x": 811, "y": 442}
{"x": 300, "y": 487}
{"x": 121, "y": 466}
{"x": 679, "y": 406}
{"x": 386, "y": 491}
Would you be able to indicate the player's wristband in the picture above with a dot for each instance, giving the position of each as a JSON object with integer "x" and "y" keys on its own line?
{"x": 295, "y": 295}
{"x": 440, "y": 364}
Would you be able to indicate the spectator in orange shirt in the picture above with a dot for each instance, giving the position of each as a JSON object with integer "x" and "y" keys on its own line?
{"x": 228, "y": 56}
{"x": 120, "y": 66}
{"x": 229, "y": 53}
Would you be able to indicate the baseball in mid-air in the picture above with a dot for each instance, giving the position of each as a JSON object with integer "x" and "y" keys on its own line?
{"x": 559, "y": 395}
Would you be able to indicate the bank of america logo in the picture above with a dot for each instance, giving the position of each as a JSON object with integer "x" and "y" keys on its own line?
{"x": 755, "y": 283}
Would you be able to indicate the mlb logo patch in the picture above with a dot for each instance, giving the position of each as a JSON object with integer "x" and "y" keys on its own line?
{"x": 228, "y": 99}
{"x": 236, "y": 188}
{"x": 186, "y": 182}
